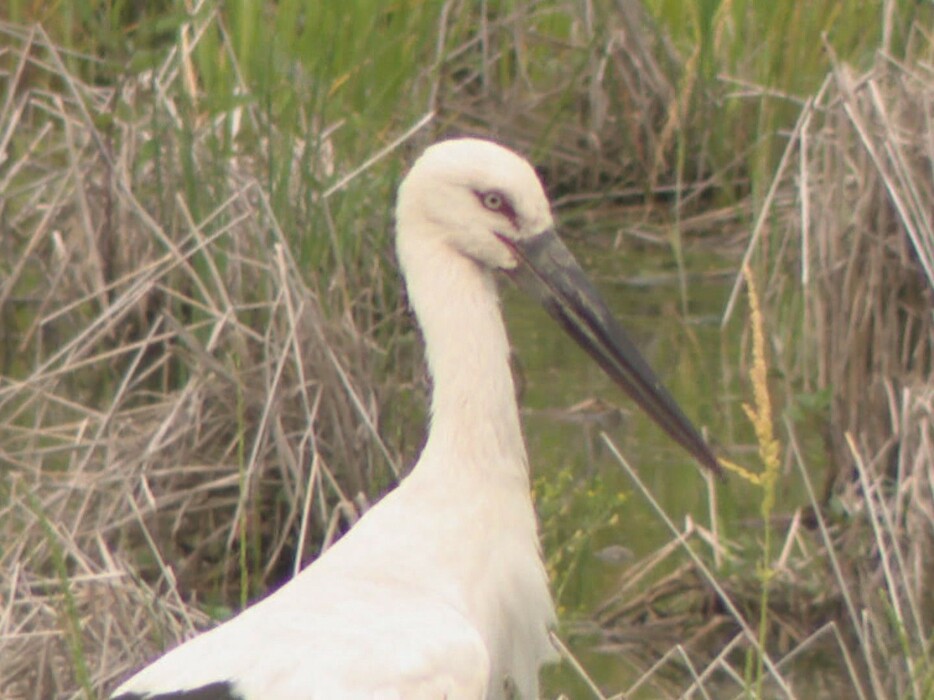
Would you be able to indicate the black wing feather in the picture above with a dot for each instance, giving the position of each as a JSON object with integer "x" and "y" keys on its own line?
{"x": 221, "y": 690}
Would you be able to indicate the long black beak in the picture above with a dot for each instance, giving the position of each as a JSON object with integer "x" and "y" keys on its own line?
{"x": 551, "y": 273}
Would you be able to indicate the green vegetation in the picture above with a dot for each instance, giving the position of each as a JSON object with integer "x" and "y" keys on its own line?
{"x": 207, "y": 371}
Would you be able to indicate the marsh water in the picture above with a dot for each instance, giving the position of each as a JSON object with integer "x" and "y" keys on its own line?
{"x": 594, "y": 522}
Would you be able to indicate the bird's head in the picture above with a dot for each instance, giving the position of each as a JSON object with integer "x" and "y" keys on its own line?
{"x": 474, "y": 196}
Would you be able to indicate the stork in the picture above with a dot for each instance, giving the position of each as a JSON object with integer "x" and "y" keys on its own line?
{"x": 439, "y": 591}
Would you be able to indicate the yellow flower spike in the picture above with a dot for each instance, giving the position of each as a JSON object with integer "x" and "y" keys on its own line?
{"x": 761, "y": 414}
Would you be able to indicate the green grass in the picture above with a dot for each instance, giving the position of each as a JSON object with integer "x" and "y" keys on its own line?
{"x": 366, "y": 69}
{"x": 769, "y": 57}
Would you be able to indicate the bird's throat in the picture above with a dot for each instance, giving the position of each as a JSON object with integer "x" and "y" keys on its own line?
{"x": 474, "y": 414}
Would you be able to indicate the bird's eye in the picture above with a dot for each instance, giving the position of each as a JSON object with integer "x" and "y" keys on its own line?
{"x": 493, "y": 200}
{"x": 496, "y": 201}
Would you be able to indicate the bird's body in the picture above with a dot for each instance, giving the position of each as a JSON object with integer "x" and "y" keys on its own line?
{"x": 362, "y": 624}
{"x": 439, "y": 591}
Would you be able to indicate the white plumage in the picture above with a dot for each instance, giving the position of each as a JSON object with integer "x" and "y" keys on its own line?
{"x": 439, "y": 590}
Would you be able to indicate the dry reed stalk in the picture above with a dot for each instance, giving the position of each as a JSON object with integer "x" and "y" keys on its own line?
{"x": 170, "y": 386}
{"x": 623, "y": 100}
{"x": 868, "y": 294}
{"x": 846, "y": 243}
{"x": 851, "y": 276}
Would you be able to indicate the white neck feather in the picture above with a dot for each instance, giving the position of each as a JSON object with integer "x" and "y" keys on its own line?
{"x": 475, "y": 418}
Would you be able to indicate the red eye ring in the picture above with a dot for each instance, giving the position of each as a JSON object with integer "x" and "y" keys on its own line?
{"x": 497, "y": 202}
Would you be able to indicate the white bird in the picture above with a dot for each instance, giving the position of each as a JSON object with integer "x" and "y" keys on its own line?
{"x": 439, "y": 590}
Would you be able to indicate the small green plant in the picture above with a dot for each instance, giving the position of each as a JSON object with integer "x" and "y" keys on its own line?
{"x": 575, "y": 513}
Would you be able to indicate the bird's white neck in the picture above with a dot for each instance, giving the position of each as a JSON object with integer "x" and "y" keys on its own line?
{"x": 474, "y": 415}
